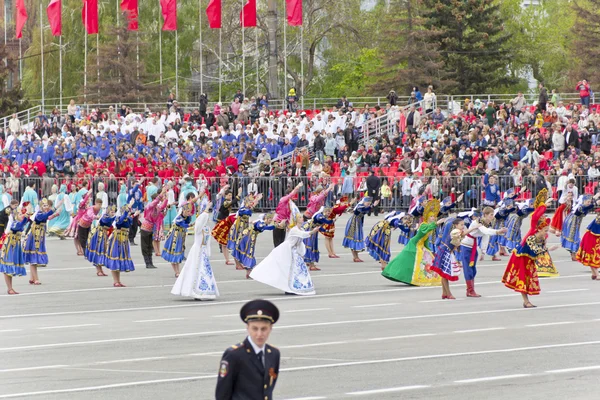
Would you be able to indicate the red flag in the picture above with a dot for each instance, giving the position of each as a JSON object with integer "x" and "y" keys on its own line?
{"x": 169, "y": 12}
{"x": 294, "y": 12}
{"x": 213, "y": 12}
{"x": 248, "y": 14}
{"x": 130, "y": 7}
{"x": 21, "y": 18}
{"x": 89, "y": 16}
{"x": 54, "y": 11}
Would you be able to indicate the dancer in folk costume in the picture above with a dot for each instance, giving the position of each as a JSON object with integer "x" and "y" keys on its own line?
{"x": 171, "y": 211}
{"x": 543, "y": 262}
{"x": 152, "y": 226}
{"x": 354, "y": 235}
{"x": 118, "y": 252}
{"x": 505, "y": 208}
{"x": 329, "y": 229}
{"x": 34, "y": 251}
{"x": 565, "y": 206}
{"x": 445, "y": 262}
{"x": 446, "y": 206}
{"x": 589, "y": 248}
{"x": 218, "y": 203}
{"x": 570, "y": 232}
{"x": 406, "y": 229}
{"x": 247, "y": 245}
{"x": 312, "y": 254}
{"x": 521, "y": 273}
{"x": 7, "y": 216}
{"x": 188, "y": 190}
{"x": 469, "y": 245}
{"x": 413, "y": 265}
{"x": 284, "y": 268}
{"x": 378, "y": 240}
{"x": 74, "y": 226}
{"x": 12, "y": 260}
{"x": 225, "y": 220}
{"x": 59, "y": 225}
{"x": 174, "y": 248}
{"x": 197, "y": 279}
{"x": 242, "y": 221}
{"x": 97, "y": 244}
{"x": 282, "y": 219}
{"x": 84, "y": 225}
{"x": 513, "y": 225}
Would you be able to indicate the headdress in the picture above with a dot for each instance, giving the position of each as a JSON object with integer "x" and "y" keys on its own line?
{"x": 112, "y": 209}
{"x": 432, "y": 208}
{"x": 188, "y": 208}
{"x": 44, "y": 202}
{"x": 582, "y": 199}
{"x": 542, "y": 223}
{"x": 541, "y": 198}
{"x": 447, "y": 201}
{"x": 294, "y": 212}
{"x": 363, "y": 201}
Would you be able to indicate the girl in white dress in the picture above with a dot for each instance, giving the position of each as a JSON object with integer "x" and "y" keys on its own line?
{"x": 196, "y": 280}
{"x": 284, "y": 268}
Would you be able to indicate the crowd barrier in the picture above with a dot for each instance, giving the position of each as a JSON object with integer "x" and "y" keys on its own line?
{"x": 398, "y": 197}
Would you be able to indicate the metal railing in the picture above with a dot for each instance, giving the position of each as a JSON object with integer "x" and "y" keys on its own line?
{"x": 26, "y": 117}
{"x": 275, "y": 186}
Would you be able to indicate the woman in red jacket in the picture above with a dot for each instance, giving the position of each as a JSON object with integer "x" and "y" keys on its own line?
{"x": 584, "y": 92}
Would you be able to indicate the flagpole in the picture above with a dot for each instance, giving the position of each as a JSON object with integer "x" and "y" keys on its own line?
{"x": 85, "y": 57}
{"x": 41, "y": 53}
{"x": 118, "y": 39}
{"x": 220, "y": 62}
{"x": 160, "y": 49}
{"x": 176, "y": 65}
{"x": 60, "y": 72}
{"x": 200, "y": 30}
{"x": 257, "y": 57}
{"x": 20, "y": 61}
{"x": 285, "y": 90}
{"x": 98, "y": 63}
{"x": 302, "y": 63}
{"x": 243, "y": 53}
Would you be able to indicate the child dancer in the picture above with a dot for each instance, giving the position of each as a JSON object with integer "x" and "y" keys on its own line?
{"x": 118, "y": 252}
{"x": 445, "y": 262}
{"x": 354, "y": 236}
{"x": 589, "y": 249}
{"x": 378, "y": 240}
{"x": 246, "y": 246}
{"x": 312, "y": 255}
{"x": 329, "y": 229}
{"x": 225, "y": 220}
{"x": 513, "y": 225}
{"x": 73, "y": 227}
{"x": 506, "y": 207}
{"x": 406, "y": 230}
{"x": 84, "y": 226}
{"x": 12, "y": 262}
{"x": 97, "y": 244}
{"x": 173, "y": 250}
{"x": 570, "y": 231}
{"x": 242, "y": 221}
{"x": 34, "y": 252}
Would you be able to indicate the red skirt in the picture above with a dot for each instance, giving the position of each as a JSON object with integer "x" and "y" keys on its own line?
{"x": 521, "y": 275}
{"x": 221, "y": 231}
{"x": 589, "y": 250}
{"x": 328, "y": 230}
{"x": 557, "y": 220}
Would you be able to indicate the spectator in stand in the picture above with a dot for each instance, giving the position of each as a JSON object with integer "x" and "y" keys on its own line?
{"x": 14, "y": 124}
{"x": 392, "y": 98}
{"x": 71, "y": 110}
{"x": 417, "y": 94}
{"x": 343, "y": 104}
{"x": 584, "y": 90}
{"x": 373, "y": 186}
{"x": 429, "y": 100}
{"x": 319, "y": 146}
{"x": 542, "y": 98}
{"x": 235, "y": 106}
{"x": 519, "y": 102}
{"x": 413, "y": 119}
{"x": 239, "y": 96}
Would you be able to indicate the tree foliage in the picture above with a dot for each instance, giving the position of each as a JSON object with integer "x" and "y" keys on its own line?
{"x": 585, "y": 48}
{"x": 10, "y": 99}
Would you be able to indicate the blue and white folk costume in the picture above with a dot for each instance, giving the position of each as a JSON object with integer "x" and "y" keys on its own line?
{"x": 118, "y": 252}
{"x": 378, "y": 240}
{"x": 245, "y": 248}
{"x": 354, "y": 235}
{"x": 492, "y": 193}
{"x": 570, "y": 237}
{"x": 59, "y": 225}
{"x": 242, "y": 220}
{"x": 446, "y": 206}
{"x": 512, "y": 239}
{"x": 446, "y": 262}
{"x": 97, "y": 244}
{"x": 284, "y": 268}
{"x": 311, "y": 243}
{"x": 12, "y": 260}
{"x": 501, "y": 214}
{"x": 197, "y": 280}
{"x": 34, "y": 251}
{"x": 174, "y": 249}
{"x": 171, "y": 212}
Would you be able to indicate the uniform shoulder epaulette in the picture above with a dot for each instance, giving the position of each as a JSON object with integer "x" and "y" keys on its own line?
{"x": 273, "y": 347}
{"x": 236, "y": 346}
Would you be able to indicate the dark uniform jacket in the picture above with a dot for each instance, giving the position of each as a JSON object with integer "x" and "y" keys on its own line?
{"x": 242, "y": 375}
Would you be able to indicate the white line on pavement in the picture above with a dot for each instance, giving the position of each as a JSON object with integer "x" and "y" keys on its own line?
{"x": 568, "y": 290}
{"x": 577, "y": 369}
{"x": 551, "y": 324}
{"x": 68, "y": 326}
{"x": 493, "y": 378}
{"x": 295, "y": 326}
{"x": 158, "y": 320}
{"x": 221, "y": 303}
{"x": 401, "y": 337}
{"x": 388, "y": 390}
{"x": 376, "y": 305}
{"x": 307, "y": 310}
{"x": 439, "y": 301}
{"x": 499, "y": 328}
{"x": 10, "y": 330}
{"x": 226, "y": 315}
{"x": 503, "y": 295}
{"x": 33, "y": 368}
{"x": 309, "y": 398}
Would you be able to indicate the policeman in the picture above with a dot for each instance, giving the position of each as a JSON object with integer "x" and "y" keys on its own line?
{"x": 249, "y": 370}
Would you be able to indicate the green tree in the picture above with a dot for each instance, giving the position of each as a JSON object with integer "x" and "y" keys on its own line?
{"x": 585, "y": 49}
{"x": 10, "y": 99}
{"x": 472, "y": 40}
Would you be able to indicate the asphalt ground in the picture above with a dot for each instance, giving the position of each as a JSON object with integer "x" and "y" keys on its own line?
{"x": 361, "y": 336}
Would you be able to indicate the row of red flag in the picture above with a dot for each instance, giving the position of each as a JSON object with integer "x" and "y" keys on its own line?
{"x": 89, "y": 15}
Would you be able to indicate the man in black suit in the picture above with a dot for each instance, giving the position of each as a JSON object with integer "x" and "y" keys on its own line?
{"x": 373, "y": 185}
{"x": 571, "y": 137}
{"x": 249, "y": 370}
